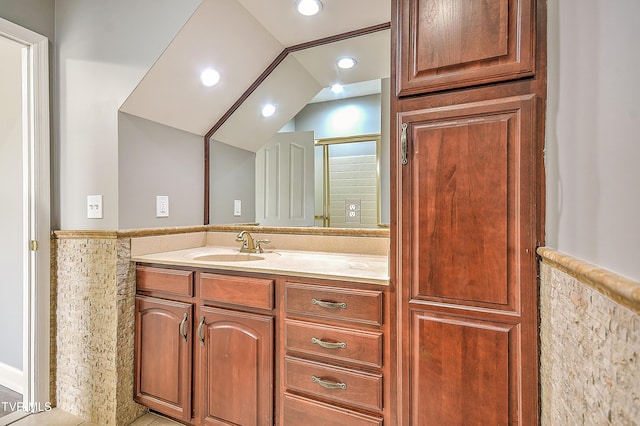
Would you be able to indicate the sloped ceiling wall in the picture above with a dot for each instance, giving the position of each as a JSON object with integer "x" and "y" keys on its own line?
{"x": 240, "y": 38}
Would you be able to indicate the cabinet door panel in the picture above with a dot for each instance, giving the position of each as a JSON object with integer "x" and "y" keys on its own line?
{"x": 446, "y": 44}
{"x": 163, "y": 356}
{"x": 470, "y": 214}
{"x": 237, "y": 367}
{"x": 463, "y": 371}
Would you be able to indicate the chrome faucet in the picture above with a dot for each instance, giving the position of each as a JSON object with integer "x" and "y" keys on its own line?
{"x": 249, "y": 245}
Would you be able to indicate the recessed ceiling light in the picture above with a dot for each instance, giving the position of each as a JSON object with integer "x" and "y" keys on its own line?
{"x": 268, "y": 110}
{"x": 337, "y": 88}
{"x": 309, "y": 7}
{"x": 346, "y": 62}
{"x": 210, "y": 77}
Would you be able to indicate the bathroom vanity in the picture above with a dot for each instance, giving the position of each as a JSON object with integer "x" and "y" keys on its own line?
{"x": 284, "y": 337}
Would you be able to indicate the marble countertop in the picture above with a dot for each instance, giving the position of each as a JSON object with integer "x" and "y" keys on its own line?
{"x": 363, "y": 268}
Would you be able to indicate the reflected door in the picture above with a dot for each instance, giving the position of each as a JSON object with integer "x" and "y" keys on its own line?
{"x": 284, "y": 180}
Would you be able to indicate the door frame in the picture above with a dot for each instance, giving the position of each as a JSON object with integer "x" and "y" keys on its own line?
{"x": 37, "y": 217}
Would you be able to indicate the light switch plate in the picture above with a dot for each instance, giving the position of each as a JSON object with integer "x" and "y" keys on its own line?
{"x": 162, "y": 206}
{"x": 237, "y": 207}
{"x": 94, "y": 206}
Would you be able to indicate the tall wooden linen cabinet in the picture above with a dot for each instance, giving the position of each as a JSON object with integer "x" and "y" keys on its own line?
{"x": 468, "y": 110}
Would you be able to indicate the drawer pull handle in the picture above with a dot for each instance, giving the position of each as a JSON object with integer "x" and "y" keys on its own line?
{"x": 328, "y": 345}
{"x": 330, "y": 305}
{"x": 200, "y": 335}
{"x": 328, "y": 385}
{"x": 183, "y": 331}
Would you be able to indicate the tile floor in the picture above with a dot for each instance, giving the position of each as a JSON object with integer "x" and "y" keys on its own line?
{"x": 58, "y": 417}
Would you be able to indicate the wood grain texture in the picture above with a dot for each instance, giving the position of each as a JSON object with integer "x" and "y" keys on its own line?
{"x": 446, "y": 44}
{"x": 236, "y": 365}
{"x": 170, "y": 281}
{"x": 303, "y": 411}
{"x": 470, "y": 211}
{"x": 162, "y": 361}
{"x": 464, "y": 371}
{"x": 238, "y": 290}
{"x": 361, "y": 306}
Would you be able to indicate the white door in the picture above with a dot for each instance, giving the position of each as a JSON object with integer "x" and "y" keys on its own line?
{"x": 285, "y": 181}
{"x": 26, "y": 183}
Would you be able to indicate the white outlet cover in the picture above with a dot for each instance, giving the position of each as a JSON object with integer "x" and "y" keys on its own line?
{"x": 162, "y": 206}
{"x": 94, "y": 207}
{"x": 237, "y": 207}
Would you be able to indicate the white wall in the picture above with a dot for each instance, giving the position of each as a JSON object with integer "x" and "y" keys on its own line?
{"x": 104, "y": 48}
{"x": 11, "y": 279}
{"x": 154, "y": 159}
{"x": 347, "y": 117}
{"x": 593, "y": 142}
{"x": 233, "y": 177}
{"x": 35, "y": 15}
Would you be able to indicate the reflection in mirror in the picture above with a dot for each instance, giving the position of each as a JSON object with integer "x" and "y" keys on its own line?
{"x": 321, "y": 159}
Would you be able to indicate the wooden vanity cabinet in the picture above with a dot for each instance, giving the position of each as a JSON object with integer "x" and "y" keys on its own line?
{"x": 204, "y": 346}
{"x": 335, "y": 356}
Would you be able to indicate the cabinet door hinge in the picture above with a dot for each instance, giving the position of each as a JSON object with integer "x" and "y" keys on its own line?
{"x": 33, "y": 245}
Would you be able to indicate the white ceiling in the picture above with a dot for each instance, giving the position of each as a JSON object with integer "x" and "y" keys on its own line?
{"x": 240, "y": 38}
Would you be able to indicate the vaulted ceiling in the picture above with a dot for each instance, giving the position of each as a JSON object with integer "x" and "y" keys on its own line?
{"x": 240, "y": 39}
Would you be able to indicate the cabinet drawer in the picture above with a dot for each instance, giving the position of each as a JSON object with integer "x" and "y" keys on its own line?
{"x": 334, "y": 383}
{"x": 337, "y": 343}
{"x": 302, "y": 411}
{"x": 251, "y": 292}
{"x": 359, "y": 306}
{"x": 171, "y": 281}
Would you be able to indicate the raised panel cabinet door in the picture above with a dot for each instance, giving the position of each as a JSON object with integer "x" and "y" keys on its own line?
{"x": 236, "y": 367}
{"x": 464, "y": 371}
{"x": 470, "y": 210}
{"x": 446, "y": 44}
{"x": 163, "y": 345}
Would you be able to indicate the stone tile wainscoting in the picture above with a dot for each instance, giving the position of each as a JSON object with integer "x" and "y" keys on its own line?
{"x": 590, "y": 344}
{"x": 93, "y": 288}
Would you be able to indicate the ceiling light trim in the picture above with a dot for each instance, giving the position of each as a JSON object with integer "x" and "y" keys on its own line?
{"x": 308, "y": 7}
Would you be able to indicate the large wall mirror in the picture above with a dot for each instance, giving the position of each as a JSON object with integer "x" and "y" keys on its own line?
{"x": 308, "y": 143}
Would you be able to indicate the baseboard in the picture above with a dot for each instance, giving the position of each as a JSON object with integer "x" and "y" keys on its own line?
{"x": 11, "y": 377}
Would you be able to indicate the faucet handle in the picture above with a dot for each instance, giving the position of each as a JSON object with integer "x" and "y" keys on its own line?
{"x": 259, "y": 247}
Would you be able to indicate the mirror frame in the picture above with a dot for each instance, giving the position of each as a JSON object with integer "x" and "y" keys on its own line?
{"x": 259, "y": 80}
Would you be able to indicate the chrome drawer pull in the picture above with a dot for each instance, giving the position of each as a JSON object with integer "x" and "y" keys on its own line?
{"x": 330, "y": 305}
{"x": 328, "y": 345}
{"x": 328, "y": 385}
{"x": 183, "y": 331}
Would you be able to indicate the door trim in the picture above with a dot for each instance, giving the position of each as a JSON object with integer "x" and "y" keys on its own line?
{"x": 36, "y": 204}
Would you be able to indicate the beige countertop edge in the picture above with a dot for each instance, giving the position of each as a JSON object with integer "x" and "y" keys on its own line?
{"x": 171, "y": 259}
{"x": 618, "y": 288}
{"x": 145, "y": 232}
